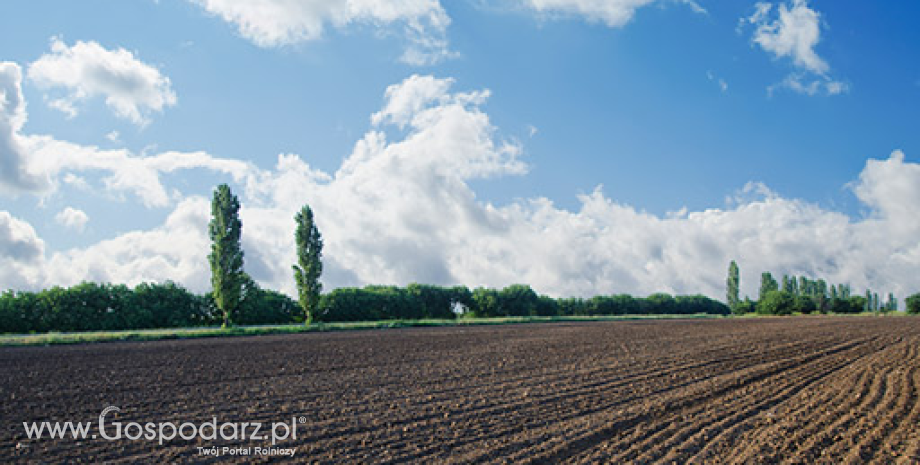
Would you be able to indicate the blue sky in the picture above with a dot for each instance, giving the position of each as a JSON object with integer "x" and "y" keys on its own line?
{"x": 582, "y": 147}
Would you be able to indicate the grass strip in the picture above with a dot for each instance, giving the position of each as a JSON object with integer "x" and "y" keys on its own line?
{"x": 55, "y": 338}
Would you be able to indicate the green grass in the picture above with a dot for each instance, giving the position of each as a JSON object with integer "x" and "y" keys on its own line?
{"x": 54, "y": 338}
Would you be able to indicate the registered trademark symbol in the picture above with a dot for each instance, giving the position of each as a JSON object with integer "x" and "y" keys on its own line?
{"x": 302, "y": 420}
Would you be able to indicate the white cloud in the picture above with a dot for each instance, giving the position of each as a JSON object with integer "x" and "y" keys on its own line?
{"x": 810, "y": 86}
{"x": 273, "y": 23}
{"x": 72, "y": 218}
{"x": 890, "y": 189}
{"x": 176, "y": 250}
{"x": 123, "y": 171}
{"x": 15, "y": 173}
{"x": 39, "y": 163}
{"x": 793, "y": 33}
{"x": 132, "y": 89}
{"x": 403, "y": 210}
{"x": 21, "y": 251}
{"x": 612, "y": 13}
{"x": 406, "y": 99}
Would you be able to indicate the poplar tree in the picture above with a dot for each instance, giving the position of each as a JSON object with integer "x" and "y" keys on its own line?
{"x": 767, "y": 284}
{"x": 226, "y": 257}
{"x": 310, "y": 265}
{"x": 732, "y": 285}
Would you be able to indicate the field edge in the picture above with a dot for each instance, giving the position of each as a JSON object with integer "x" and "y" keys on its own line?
{"x": 58, "y": 338}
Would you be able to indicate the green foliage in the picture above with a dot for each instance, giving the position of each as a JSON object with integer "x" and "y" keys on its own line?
{"x": 310, "y": 262}
{"x": 767, "y": 284}
{"x": 810, "y": 295}
{"x": 518, "y": 300}
{"x": 892, "y": 304}
{"x": 804, "y": 305}
{"x": 370, "y": 303}
{"x": 93, "y": 307}
{"x": 691, "y": 304}
{"x": 850, "y": 305}
{"x": 440, "y": 302}
{"x": 659, "y": 302}
{"x": 226, "y": 257}
{"x": 655, "y": 304}
{"x": 425, "y": 301}
{"x": 776, "y": 303}
{"x": 514, "y": 300}
{"x": 745, "y": 307}
{"x": 547, "y": 306}
{"x": 261, "y": 306}
{"x": 168, "y": 305}
{"x": 913, "y": 304}
{"x": 485, "y": 303}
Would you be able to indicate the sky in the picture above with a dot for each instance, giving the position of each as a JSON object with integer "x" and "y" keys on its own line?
{"x": 580, "y": 146}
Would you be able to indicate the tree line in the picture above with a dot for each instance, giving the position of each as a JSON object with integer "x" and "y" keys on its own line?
{"x": 419, "y": 301}
{"x": 235, "y": 298}
{"x": 803, "y": 295}
{"x": 104, "y": 307}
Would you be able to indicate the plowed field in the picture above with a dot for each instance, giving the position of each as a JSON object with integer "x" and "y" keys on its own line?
{"x": 804, "y": 390}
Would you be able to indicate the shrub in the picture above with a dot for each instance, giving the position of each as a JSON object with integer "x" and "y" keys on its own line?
{"x": 913, "y": 304}
{"x": 776, "y": 303}
{"x": 804, "y": 305}
{"x": 744, "y": 307}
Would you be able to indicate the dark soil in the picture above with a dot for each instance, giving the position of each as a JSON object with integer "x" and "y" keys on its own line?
{"x": 805, "y": 390}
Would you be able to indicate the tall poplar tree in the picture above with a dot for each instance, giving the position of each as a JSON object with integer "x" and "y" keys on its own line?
{"x": 310, "y": 265}
{"x": 732, "y": 286}
{"x": 767, "y": 284}
{"x": 226, "y": 257}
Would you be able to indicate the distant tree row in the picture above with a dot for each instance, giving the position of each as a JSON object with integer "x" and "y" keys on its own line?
{"x": 426, "y": 301}
{"x": 803, "y": 295}
{"x": 101, "y": 307}
{"x": 104, "y": 307}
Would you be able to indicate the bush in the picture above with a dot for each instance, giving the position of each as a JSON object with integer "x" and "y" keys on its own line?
{"x": 690, "y": 304}
{"x": 804, "y": 305}
{"x": 265, "y": 307}
{"x": 659, "y": 303}
{"x": 745, "y": 307}
{"x": 438, "y": 302}
{"x": 913, "y": 304}
{"x": 514, "y": 300}
{"x": 418, "y": 301}
{"x": 169, "y": 305}
{"x": 776, "y": 303}
{"x": 856, "y": 304}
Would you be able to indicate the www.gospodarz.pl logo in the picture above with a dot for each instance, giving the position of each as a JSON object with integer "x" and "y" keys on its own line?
{"x": 164, "y": 431}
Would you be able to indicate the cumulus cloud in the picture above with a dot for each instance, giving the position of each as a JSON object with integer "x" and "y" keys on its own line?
{"x": 273, "y": 23}
{"x": 132, "y": 89}
{"x": 176, "y": 250}
{"x": 401, "y": 208}
{"x": 612, "y": 13}
{"x": 39, "y": 163}
{"x": 793, "y": 33}
{"x": 15, "y": 172}
{"x": 22, "y": 252}
{"x": 72, "y": 218}
{"x": 123, "y": 171}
